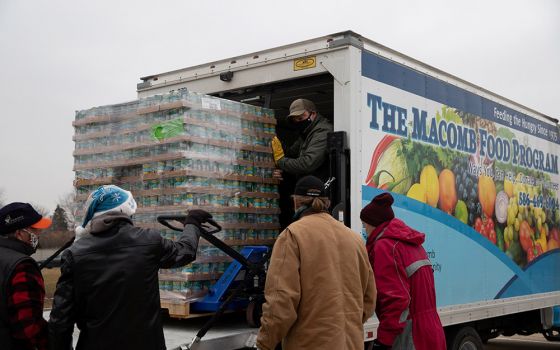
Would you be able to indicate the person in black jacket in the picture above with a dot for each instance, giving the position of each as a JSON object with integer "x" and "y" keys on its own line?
{"x": 301, "y": 152}
{"x": 109, "y": 283}
{"x": 308, "y": 154}
{"x": 22, "y": 289}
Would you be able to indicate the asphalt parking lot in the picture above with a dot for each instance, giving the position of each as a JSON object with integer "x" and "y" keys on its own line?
{"x": 517, "y": 342}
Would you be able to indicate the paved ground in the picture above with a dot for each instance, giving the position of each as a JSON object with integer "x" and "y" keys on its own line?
{"x": 178, "y": 332}
{"x": 517, "y": 342}
{"x": 43, "y": 253}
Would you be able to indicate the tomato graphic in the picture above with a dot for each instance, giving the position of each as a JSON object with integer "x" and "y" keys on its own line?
{"x": 478, "y": 224}
{"x": 525, "y": 235}
{"x": 533, "y": 252}
{"x": 492, "y": 236}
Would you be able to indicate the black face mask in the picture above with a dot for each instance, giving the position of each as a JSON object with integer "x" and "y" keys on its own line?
{"x": 302, "y": 125}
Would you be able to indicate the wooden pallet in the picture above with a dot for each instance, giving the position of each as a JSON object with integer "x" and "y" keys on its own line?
{"x": 180, "y": 309}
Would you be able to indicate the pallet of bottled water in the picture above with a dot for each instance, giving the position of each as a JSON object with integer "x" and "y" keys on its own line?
{"x": 183, "y": 151}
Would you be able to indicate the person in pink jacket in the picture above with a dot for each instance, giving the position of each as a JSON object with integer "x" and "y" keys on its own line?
{"x": 406, "y": 298}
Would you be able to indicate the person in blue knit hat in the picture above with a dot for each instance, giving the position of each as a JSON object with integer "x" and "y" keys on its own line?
{"x": 105, "y": 200}
{"x": 109, "y": 283}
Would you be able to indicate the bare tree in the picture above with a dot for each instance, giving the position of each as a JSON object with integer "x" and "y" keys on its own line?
{"x": 2, "y": 199}
{"x": 70, "y": 205}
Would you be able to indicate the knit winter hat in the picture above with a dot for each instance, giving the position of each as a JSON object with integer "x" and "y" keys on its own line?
{"x": 378, "y": 210}
{"x": 109, "y": 198}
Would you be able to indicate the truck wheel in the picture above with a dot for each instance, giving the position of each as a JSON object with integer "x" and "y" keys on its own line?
{"x": 465, "y": 338}
{"x": 254, "y": 313}
{"x": 552, "y": 335}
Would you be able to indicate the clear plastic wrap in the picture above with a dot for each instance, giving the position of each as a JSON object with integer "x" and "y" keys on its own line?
{"x": 180, "y": 151}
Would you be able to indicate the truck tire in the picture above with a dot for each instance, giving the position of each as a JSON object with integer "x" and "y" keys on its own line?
{"x": 465, "y": 338}
{"x": 552, "y": 335}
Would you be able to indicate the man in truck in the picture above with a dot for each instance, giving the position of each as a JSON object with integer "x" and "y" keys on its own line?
{"x": 109, "y": 283}
{"x": 307, "y": 155}
{"x": 406, "y": 297}
{"x": 319, "y": 288}
{"x": 22, "y": 292}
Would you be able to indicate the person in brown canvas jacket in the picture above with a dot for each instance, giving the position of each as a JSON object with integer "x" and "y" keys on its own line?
{"x": 320, "y": 287}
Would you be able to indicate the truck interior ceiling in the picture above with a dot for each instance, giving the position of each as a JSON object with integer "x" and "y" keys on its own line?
{"x": 278, "y": 96}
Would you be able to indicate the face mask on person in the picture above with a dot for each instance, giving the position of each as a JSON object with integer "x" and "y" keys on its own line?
{"x": 364, "y": 235}
{"x": 305, "y": 124}
{"x": 302, "y": 125}
{"x": 33, "y": 239}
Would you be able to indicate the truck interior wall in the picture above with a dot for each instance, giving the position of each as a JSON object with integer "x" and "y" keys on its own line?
{"x": 279, "y": 96}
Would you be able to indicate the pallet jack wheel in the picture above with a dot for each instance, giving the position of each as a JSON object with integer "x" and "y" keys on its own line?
{"x": 254, "y": 313}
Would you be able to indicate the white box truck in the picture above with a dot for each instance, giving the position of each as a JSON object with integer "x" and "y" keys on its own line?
{"x": 476, "y": 172}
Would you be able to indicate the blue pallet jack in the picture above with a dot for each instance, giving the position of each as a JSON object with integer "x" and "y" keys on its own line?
{"x": 235, "y": 274}
{"x": 240, "y": 287}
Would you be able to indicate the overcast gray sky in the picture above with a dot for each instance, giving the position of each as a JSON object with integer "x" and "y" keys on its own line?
{"x": 59, "y": 56}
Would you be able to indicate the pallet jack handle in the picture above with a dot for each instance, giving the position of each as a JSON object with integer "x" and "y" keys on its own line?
{"x": 211, "y": 227}
{"x": 207, "y": 233}
{"x": 45, "y": 262}
{"x": 202, "y": 332}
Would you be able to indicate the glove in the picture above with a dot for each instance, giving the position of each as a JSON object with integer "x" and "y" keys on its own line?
{"x": 277, "y": 174}
{"x": 379, "y": 346}
{"x": 197, "y": 217}
{"x": 277, "y": 150}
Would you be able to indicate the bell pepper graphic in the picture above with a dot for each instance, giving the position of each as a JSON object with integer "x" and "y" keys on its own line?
{"x": 396, "y": 173}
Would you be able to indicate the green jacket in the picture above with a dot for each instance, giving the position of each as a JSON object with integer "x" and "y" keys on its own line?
{"x": 308, "y": 155}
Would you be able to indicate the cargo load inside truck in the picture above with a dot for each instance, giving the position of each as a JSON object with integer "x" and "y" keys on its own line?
{"x": 181, "y": 151}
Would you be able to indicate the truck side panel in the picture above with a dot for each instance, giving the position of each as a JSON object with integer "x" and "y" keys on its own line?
{"x": 478, "y": 177}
